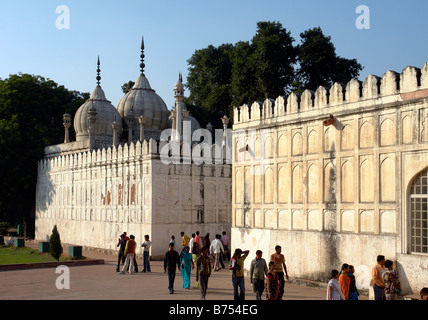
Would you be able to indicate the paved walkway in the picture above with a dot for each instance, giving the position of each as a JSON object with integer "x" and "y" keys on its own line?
{"x": 102, "y": 282}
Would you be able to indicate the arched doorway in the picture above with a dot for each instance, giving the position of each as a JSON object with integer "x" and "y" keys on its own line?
{"x": 419, "y": 214}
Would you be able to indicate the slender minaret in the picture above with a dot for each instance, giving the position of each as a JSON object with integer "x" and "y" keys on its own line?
{"x": 178, "y": 110}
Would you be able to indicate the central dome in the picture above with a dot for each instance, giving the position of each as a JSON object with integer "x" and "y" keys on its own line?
{"x": 143, "y": 100}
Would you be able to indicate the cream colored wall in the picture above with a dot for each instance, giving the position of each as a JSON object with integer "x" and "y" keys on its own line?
{"x": 94, "y": 197}
{"x": 336, "y": 193}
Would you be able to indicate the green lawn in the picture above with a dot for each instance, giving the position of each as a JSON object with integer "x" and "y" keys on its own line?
{"x": 14, "y": 255}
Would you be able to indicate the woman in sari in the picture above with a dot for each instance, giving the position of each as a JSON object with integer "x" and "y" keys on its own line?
{"x": 272, "y": 285}
{"x": 186, "y": 266}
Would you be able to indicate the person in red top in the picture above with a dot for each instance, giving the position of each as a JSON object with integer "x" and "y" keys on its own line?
{"x": 345, "y": 281}
{"x": 198, "y": 241}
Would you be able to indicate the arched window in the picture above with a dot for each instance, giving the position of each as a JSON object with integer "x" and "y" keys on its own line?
{"x": 419, "y": 213}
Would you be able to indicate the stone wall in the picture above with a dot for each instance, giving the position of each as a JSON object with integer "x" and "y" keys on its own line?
{"x": 326, "y": 174}
{"x": 94, "y": 196}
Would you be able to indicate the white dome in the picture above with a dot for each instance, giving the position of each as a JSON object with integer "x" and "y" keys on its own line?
{"x": 143, "y": 100}
{"x": 106, "y": 114}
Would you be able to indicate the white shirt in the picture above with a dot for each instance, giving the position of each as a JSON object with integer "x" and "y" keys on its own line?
{"x": 147, "y": 244}
{"x": 336, "y": 293}
{"x": 216, "y": 246}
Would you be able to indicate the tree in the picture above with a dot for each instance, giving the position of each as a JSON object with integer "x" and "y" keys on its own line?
{"x": 319, "y": 65}
{"x": 268, "y": 66}
{"x": 55, "y": 247}
{"x": 31, "y": 111}
{"x": 209, "y": 82}
{"x": 273, "y": 59}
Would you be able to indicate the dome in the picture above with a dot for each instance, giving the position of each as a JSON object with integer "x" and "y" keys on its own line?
{"x": 143, "y": 100}
{"x": 106, "y": 114}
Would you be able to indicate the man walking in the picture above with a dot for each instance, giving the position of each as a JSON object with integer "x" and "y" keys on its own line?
{"x": 258, "y": 271}
{"x": 217, "y": 250}
{"x": 280, "y": 268}
{"x": 237, "y": 267}
{"x": 171, "y": 262}
{"x": 203, "y": 271}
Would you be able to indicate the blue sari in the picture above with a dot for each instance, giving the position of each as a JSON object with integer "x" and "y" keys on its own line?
{"x": 186, "y": 268}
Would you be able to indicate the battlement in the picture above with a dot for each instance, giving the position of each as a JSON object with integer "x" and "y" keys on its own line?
{"x": 104, "y": 155}
{"x": 411, "y": 83}
{"x": 153, "y": 149}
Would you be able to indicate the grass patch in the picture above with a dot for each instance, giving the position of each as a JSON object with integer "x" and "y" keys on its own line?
{"x": 15, "y": 255}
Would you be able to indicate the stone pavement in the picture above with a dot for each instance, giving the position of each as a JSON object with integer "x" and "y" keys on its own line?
{"x": 102, "y": 282}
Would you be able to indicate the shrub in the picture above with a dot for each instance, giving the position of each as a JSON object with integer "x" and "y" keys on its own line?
{"x": 55, "y": 247}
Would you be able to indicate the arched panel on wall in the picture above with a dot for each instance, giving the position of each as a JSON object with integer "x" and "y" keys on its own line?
{"x": 257, "y": 185}
{"x": 330, "y": 183}
{"x": 270, "y": 220}
{"x": 387, "y": 180}
{"x": 312, "y": 141}
{"x": 283, "y": 184}
{"x": 247, "y": 186}
{"x": 297, "y": 143}
{"x": 269, "y": 185}
{"x": 366, "y": 134}
{"x": 329, "y": 139}
{"x": 366, "y": 180}
{"x": 348, "y": 221}
{"x": 313, "y": 183}
{"x": 297, "y": 220}
{"x": 367, "y": 221}
{"x": 406, "y": 128}
{"x": 347, "y": 181}
{"x": 388, "y": 222}
{"x": 269, "y": 147}
{"x": 238, "y": 186}
{"x": 297, "y": 184}
{"x": 314, "y": 220}
{"x": 282, "y": 145}
{"x": 347, "y": 137}
{"x": 257, "y": 147}
{"x": 387, "y": 132}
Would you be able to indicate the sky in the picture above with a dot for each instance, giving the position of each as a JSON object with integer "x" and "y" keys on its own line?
{"x": 35, "y": 37}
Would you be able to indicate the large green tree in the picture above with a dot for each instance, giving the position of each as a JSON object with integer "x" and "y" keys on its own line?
{"x": 319, "y": 64}
{"x": 267, "y": 66}
{"x": 31, "y": 110}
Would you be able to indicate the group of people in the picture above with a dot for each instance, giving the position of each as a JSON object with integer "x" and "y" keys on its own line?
{"x": 384, "y": 280}
{"x": 197, "y": 253}
{"x": 342, "y": 284}
{"x": 203, "y": 255}
{"x": 206, "y": 256}
{"x": 127, "y": 257}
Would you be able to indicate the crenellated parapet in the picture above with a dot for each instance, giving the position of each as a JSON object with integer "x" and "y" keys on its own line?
{"x": 122, "y": 152}
{"x": 411, "y": 83}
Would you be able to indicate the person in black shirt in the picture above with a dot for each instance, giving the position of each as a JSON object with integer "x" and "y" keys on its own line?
{"x": 171, "y": 262}
{"x": 121, "y": 256}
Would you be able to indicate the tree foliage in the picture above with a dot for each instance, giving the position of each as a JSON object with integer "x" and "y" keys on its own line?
{"x": 55, "y": 247}
{"x": 31, "y": 111}
{"x": 267, "y": 66}
{"x": 319, "y": 65}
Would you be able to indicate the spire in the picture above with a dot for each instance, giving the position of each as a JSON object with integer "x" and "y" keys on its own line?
{"x": 142, "y": 65}
{"x": 98, "y": 71}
